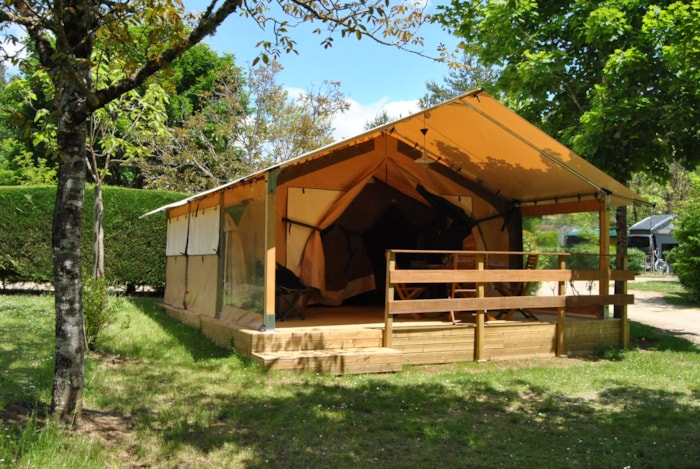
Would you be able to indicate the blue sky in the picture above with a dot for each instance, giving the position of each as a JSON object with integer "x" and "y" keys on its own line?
{"x": 373, "y": 76}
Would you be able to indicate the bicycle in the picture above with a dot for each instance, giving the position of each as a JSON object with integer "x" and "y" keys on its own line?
{"x": 662, "y": 267}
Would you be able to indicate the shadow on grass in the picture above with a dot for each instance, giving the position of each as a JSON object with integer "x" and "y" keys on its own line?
{"x": 680, "y": 299}
{"x": 218, "y": 413}
{"x": 464, "y": 422}
{"x": 26, "y": 348}
{"x": 646, "y": 337}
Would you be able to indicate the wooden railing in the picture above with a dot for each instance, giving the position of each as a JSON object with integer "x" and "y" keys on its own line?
{"x": 414, "y": 272}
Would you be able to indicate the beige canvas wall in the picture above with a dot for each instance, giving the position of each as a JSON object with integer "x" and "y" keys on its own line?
{"x": 201, "y": 284}
{"x": 175, "y": 271}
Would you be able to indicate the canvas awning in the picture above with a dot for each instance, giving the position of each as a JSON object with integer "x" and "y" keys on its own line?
{"x": 482, "y": 140}
{"x": 479, "y": 138}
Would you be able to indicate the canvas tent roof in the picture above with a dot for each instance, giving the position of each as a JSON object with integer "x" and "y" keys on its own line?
{"x": 482, "y": 140}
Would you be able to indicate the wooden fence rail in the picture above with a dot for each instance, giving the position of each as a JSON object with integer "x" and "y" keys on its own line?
{"x": 479, "y": 276}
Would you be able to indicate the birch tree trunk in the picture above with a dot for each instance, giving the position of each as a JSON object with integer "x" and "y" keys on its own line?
{"x": 72, "y": 78}
{"x": 98, "y": 269}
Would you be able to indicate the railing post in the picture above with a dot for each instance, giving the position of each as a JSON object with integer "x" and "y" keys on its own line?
{"x": 561, "y": 312}
{"x": 480, "y": 322}
{"x": 389, "y": 289}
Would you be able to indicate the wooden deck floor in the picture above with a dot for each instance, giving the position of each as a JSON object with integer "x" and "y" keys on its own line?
{"x": 373, "y": 316}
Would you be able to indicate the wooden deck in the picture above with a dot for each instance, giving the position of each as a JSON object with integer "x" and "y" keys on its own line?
{"x": 347, "y": 340}
{"x": 411, "y": 329}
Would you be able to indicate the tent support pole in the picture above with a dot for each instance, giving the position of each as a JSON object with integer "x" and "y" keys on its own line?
{"x": 270, "y": 251}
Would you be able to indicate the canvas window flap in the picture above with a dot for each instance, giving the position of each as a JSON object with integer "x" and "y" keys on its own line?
{"x": 203, "y": 236}
{"x": 176, "y": 243}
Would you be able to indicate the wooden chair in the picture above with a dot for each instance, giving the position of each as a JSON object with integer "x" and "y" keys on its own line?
{"x": 462, "y": 289}
{"x": 518, "y": 289}
{"x": 291, "y": 294}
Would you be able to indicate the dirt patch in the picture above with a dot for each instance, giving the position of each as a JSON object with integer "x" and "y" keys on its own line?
{"x": 651, "y": 309}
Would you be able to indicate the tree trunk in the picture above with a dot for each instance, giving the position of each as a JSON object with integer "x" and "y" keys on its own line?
{"x": 621, "y": 253}
{"x": 66, "y": 399}
{"x": 98, "y": 270}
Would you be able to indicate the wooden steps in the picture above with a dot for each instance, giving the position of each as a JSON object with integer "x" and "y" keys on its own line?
{"x": 342, "y": 361}
{"x": 316, "y": 338}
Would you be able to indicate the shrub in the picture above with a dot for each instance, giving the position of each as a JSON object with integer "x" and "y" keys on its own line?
{"x": 685, "y": 258}
{"x": 584, "y": 256}
{"x": 100, "y": 308}
{"x": 635, "y": 260}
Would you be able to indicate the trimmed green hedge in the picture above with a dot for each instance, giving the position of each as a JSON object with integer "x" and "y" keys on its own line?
{"x": 134, "y": 248}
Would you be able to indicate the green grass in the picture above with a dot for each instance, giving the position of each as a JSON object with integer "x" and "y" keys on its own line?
{"x": 657, "y": 286}
{"x": 162, "y": 395}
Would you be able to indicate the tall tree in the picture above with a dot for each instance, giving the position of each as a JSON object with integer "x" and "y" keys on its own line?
{"x": 616, "y": 80}
{"x": 380, "y": 118}
{"x": 192, "y": 78}
{"x": 63, "y": 34}
{"x": 200, "y": 152}
{"x": 281, "y": 126}
{"x": 241, "y": 125}
{"x": 118, "y": 133}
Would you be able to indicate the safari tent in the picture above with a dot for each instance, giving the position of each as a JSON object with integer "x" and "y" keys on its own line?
{"x": 458, "y": 177}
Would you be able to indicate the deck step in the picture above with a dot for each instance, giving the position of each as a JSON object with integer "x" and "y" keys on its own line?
{"x": 333, "y": 361}
{"x": 316, "y": 339}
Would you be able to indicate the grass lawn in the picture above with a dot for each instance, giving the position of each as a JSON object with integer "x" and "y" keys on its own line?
{"x": 161, "y": 395}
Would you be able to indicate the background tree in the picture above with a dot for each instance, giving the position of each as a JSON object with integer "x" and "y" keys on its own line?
{"x": 616, "y": 81}
{"x": 192, "y": 77}
{"x": 380, "y": 119}
{"x": 671, "y": 196}
{"x": 685, "y": 258}
{"x": 26, "y": 124}
{"x": 281, "y": 126}
{"x": 465, "y": 76}
{"x": 200, "y": 152}
{"x": 118, "y": 133}
{"x": 241, "y": 125}
{"x": 63, "y": 35}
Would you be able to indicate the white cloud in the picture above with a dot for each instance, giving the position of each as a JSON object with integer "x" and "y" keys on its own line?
{"x": 294, "y": 93}
{"x": 352, "y": 122}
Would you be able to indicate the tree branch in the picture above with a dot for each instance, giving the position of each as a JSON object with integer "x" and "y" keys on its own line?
{"x": 207, "y": 25}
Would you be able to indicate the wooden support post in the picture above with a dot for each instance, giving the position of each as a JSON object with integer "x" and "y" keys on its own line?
{"x": 561, "y": 313}
{"x": 604, "y": 228}
{"x": 221, "y": 254}
{"x": 480, "y": 315}
{"x": 389, "y": 318}
{"x": 270, "y": 251}
{"x": 187, "y": 259}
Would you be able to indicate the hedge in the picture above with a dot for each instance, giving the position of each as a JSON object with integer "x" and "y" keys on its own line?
{"x": 134, "y": 248}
